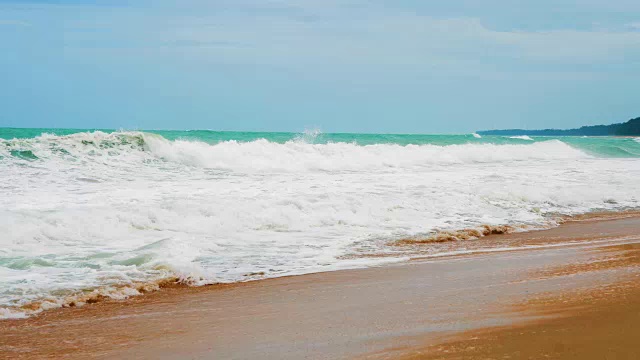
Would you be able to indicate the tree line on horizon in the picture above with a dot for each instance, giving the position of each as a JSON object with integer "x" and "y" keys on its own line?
{"x": 629, "y": 128}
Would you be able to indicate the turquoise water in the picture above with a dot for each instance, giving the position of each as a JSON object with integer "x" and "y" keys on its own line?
{"x": 598, "y": 146}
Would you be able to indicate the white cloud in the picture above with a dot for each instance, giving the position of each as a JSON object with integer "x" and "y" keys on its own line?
{"x": 343, "y": 33}
{"x": 398, "y": 38}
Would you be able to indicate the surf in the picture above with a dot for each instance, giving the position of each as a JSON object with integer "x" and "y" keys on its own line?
{"x": 102, "y": 213}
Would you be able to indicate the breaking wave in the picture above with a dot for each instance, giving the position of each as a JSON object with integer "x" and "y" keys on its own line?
{"x": 263, "y": 155}
{"x": 457, "y": 235}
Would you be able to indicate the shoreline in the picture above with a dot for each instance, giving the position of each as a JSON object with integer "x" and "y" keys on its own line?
{"x": 475, "y": 241}
{"x": 347, "y": 313}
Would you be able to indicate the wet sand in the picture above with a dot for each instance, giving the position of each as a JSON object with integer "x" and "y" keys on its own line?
{"x": 600, "y": 322}
{"x": 472, "y": 306}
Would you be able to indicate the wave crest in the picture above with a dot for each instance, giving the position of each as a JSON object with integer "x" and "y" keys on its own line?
{"x": 78, "y": 145}
{"x": 521, "y": 137}
{"x": 263, "y": 155}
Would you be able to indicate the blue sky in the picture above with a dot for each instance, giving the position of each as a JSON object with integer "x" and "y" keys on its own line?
{"x": 402, "y": 66}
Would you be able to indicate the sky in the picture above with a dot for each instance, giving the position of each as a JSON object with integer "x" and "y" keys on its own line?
{"x": 378, "y": 66}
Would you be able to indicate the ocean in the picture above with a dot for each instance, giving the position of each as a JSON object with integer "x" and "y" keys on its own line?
{"x": 88, "y": 213}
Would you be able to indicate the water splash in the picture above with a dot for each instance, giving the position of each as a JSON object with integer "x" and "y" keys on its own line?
{"x": 309, "y": 136}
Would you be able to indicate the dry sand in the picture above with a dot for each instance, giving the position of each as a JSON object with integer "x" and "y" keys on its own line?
{"x": 572, "y": 301}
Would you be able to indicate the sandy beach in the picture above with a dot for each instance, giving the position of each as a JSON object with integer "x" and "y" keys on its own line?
{"x": 569, "y": 292}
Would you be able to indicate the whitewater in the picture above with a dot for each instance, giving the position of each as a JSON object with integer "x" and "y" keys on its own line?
{"x": 106, "y": 212}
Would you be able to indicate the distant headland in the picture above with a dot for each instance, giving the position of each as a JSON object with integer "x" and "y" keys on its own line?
{"x": 629, "y": 128}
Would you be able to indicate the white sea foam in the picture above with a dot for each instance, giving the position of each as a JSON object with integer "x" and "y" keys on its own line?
{"x": 108, "y": 211}
{"x": 477, "y": 136}
{"x": 521, "y": 137}
{"x": 294, "y": 156}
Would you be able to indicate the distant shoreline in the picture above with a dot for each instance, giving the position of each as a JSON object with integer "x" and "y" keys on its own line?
{"x": 630, "y": 128}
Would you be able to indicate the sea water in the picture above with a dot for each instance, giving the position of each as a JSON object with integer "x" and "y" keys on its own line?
{"x": 101, "y": 212}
